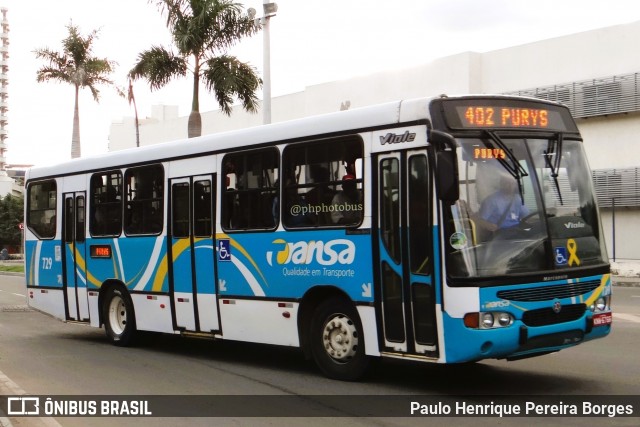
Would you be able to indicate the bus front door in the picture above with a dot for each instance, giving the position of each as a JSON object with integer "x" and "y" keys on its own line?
{"x": 74, "y": 257}
{"x": 405, "y": 267}
{"x": 192, "y": 253}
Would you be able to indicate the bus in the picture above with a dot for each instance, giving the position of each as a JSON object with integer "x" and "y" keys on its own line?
{"x": 353, "y": 235}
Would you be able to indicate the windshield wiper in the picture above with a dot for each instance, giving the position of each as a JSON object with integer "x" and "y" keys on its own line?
{"x": 515, "y": 169}
{"x": 554, "y": 146}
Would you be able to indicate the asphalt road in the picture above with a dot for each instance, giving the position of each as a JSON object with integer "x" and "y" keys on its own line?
{"x": 43, "y": 356}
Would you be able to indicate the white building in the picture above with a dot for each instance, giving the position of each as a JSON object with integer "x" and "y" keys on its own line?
{"x": 596, "y": 73}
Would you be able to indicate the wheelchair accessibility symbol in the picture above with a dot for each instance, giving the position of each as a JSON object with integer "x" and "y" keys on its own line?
{"x": 561, "y": 255}
{"x": 224, "y": 250}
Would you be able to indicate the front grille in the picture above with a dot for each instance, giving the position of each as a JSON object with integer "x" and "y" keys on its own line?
{"x": 546, "y": 316}
{"x": 549, "y": 293}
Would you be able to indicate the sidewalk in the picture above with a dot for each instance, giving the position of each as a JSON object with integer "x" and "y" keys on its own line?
{"x": 625, "y": 272}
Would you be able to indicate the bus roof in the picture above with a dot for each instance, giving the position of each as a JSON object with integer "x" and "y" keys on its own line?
{"x": 360, "y": 118}
{"x": 370, "y": 117}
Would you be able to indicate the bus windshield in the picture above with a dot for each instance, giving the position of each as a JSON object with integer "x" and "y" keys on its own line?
{"x": 526, "y": 206}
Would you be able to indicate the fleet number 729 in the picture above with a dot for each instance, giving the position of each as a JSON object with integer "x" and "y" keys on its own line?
{"x": 47, "y": 263}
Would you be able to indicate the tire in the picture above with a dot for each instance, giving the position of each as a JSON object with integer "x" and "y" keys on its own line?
{"x": 337, "y": 341}
{"x": 119, "y": 317}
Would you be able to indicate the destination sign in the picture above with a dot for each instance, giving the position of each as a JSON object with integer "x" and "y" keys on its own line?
{"x": 503, "y": 117}
{"x": 496, "y": 113}
{"x": 100, "y": 251}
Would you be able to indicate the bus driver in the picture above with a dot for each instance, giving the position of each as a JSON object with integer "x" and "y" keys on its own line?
{"x": 504, "y": 208}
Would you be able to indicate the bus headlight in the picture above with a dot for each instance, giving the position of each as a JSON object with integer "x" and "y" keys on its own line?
{"x": 488, "y": 320}
{"x": 505, "y": 319}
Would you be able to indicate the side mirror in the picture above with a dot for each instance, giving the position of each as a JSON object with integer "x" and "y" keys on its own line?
{"x": 447, "y": 184}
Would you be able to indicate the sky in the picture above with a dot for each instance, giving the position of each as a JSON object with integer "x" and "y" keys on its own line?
{"x": 311, "y": 42}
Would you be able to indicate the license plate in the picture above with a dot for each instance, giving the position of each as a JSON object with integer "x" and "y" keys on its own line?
{"x": 602, "y": 319}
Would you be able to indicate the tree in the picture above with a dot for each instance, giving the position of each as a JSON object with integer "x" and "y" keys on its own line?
{"x": 11, "y": 215}
{"x": 76, "y": 65}
{"x": 132, "y": 100}
{"x": 202, "y": 32}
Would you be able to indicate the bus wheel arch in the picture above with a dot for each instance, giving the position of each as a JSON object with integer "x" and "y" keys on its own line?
{"x": 331, "y": 334}
{"x": 117, "y": 313}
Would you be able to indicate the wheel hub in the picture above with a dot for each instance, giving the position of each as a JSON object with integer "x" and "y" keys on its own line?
{"x": 340, "y": 338}
{"x": 117, "y": 315}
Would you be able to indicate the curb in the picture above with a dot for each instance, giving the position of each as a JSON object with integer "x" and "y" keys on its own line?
{"x": 10, "y": 273}
{"x": 628, "y": 282}
{"x": 8, "y": 387}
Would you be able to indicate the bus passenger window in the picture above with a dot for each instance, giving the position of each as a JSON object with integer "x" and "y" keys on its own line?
{"x": 324, "y": 184}
{"x": 106, "y": 204}
{"x": 250, "y": 190}
{"x": 41, "y": 214}
{"x": 145, "y": 200}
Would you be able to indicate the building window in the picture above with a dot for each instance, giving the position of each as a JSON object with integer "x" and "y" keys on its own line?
{"x": 594, "y": 97}
{"x": 556, "y": 94}
{"x": 601, "y": 98}
{"x": 617, "y": 187}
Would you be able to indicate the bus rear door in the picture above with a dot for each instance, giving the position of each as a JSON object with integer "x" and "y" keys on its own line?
{"x": 192, "y": 253}
{"x": 404, "y": 240}
{"x": 74, "y": 256}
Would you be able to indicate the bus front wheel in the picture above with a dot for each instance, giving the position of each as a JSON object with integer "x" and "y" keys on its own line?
{"x": 337, "y": 342}
{"x": 118, "y": 316}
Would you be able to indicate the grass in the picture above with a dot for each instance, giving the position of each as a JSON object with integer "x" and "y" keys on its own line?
{"x": 18, "y": 268}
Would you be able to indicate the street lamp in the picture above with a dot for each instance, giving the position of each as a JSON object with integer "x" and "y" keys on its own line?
{"x": 269, "y": 10}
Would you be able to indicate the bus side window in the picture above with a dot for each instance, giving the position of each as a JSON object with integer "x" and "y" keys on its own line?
{"x": 41, "y": 214}
{"x": 106, "y": 204}
{"x": 145, "y": 200}
{"x": 321, "y": 169}
{"x": 249, "y": 189}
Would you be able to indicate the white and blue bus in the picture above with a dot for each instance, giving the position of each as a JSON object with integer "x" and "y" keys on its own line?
{"x": 447, "y": 230}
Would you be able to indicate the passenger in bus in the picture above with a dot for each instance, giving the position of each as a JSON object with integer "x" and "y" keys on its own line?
{"x": 296, "y": 212}
{"x": 51, "y": 226}
{"x": 99, "y": 226}
{"x": 504, "y": 208}
{"x": 134, "y": 226}
{"x": 346, "y": 206}
{"x": 320, "y": 194}
{"x": 319, "y": 176}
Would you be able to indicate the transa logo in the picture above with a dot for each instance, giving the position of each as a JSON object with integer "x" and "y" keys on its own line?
{"x": 340, "y": 251}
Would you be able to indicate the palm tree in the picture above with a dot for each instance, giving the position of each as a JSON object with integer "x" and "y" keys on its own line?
{"x": 76, "y": 65}
{"x": 203, "y": 31}
{"x": 132, "y": 99}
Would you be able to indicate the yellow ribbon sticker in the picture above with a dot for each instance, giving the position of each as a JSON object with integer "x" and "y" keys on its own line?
{"x": 572, "y": 247}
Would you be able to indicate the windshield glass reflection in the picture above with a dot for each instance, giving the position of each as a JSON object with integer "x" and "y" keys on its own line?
{"x": 525, "y": 206}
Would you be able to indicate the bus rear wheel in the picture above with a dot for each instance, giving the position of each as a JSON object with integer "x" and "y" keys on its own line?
{"x": 337, "y": 342}
{"x": 118, "y": 316}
